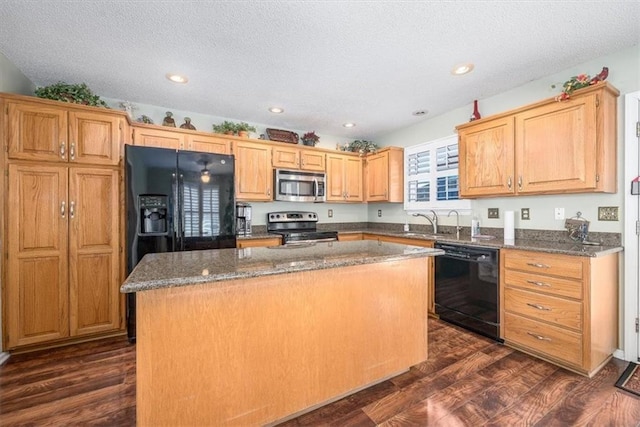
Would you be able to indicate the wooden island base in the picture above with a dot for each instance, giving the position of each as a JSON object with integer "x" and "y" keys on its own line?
{"x": 255, "y": 351}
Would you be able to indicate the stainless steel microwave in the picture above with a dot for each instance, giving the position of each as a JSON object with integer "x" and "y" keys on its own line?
{"x": 299, "y": 186}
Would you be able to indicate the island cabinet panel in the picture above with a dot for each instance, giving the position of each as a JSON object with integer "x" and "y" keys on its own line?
{"x": 253, "y": 351}
{"x": 561, "y": 308}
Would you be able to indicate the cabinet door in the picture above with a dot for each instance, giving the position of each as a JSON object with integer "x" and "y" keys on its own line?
{"x": 335, "y": 184}
{"x": 312, "y": 160}
{"x": 158, "y": 138}
{"x": 95, "y": 138}
{"x": 37, "y": 132}
{"x": 286, "y": 157}
{"x": 353, "y": 179}
{"x": 377, "y": 177}
{"x": 93, "y": 251}
{"x": 208, "y": 144}
{"x": 257, "y": 243}
{"x": 556, "y": 147}
{"x": 253, "y": 171}
{"x": 37, "y": 283}
{"x": 487, "y": 159}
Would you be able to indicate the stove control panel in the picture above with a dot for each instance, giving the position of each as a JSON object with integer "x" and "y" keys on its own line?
{"x": 292, "y": 216}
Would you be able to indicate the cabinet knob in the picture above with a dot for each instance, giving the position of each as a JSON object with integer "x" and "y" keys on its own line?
{"x": 539, "y": 307}
{"x": 539, "y": 337}
{"x": 63, "y": 150}
{"x": 537, "y": 265}
{"x": 63, "y": 209}
{"x": 72, "y": 209}
{"x": 509, "y": 182}
{"x": 268, "y": 191}
{"x": 541, "y": 284}
{"x": 72, "y": 151}
{"x": 520, "y": 182}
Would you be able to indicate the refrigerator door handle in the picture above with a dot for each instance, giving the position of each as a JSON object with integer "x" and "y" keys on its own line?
{"x": 176, "y": 215}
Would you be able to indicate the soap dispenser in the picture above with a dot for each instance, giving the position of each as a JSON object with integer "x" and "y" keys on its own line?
{"x": 406, "y": 225}
{"x": 475, "y": 226}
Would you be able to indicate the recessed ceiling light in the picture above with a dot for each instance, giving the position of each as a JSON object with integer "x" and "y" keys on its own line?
{"x": 420, "y": 113}
{"x": 349, "y": 125}
{"x": 276, "y": 110}
{"x": 461, "y": 69}
{"x": 177, "y": 78}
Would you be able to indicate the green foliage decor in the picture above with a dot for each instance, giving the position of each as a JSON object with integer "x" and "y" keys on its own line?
{"x": 361, "y": 146}
{"x": 233, "y": 128}
{"x": 74, "y": 93}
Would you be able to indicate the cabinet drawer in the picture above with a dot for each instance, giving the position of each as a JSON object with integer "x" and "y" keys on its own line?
{"x": 543, "y": 283}
{"x": 548, "y": 340}
{"x": 539, "y": 263}
{"x": 544, "y": 307}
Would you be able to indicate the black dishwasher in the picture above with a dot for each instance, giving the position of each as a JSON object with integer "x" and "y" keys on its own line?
{"x": 467, "y": 288}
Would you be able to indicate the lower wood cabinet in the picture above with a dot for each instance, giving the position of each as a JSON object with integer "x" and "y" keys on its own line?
{"x": 257, "y": 243}
{"x": 561, "y": 308}
{"x": 63, "y": 255}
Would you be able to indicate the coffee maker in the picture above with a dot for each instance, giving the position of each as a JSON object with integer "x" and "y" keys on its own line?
{"x": 243, "y": 219}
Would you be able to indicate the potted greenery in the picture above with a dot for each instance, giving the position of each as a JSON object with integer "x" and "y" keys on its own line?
{"x": 361, "y": 146}
{"x": 244, "y": 128}
{"x": 310, "y": 138}
{"x": 75, "y": 93}
{"x": 226, "y": 127}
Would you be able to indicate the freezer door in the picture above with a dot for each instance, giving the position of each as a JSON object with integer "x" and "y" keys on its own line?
{"x": 206, "y": 201}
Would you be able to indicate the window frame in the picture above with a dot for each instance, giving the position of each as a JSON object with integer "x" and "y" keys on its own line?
{"x": 461, "y": 205}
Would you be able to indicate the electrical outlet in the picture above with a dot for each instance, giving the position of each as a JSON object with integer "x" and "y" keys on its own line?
{"x": 493, "y": 213}
{"x": 379, "y": 213}
{"x": 330, "y": 213}
{"x": 524, "y": 214}
{"x": 558, "y": 213}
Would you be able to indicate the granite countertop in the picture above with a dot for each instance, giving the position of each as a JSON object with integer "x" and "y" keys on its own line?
{"x": 548, "y": 246}
{"x": 186, "y": 268}
{"x": 560, "y": 247}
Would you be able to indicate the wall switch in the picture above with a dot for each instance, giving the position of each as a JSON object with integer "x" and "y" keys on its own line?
{"x": 330, "y": 213}
{"x": 493, "y": 213}
{"x": 607, "y": 213}
{"x": 524, "y": 214}
{"x": 558, "y": 213}
{"x": 379, "y": 213}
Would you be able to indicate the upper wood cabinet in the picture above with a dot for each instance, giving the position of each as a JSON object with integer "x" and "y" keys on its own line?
{"x": 549, "y": 147}
{"x": 298, "y": 158}
{"x": 160, "y": 138}
{"x": 254, "y": 176}
{"x": 208, "y": 144}
{"x": 43, "y": 132}
{"x": 344, "y": 178}
{"x": 63, "y": 253}
{"x": 385, "y": 175}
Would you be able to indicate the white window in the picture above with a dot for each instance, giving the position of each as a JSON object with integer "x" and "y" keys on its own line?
{"x": 201, "y": 210}
{"x": 431, "y": 176}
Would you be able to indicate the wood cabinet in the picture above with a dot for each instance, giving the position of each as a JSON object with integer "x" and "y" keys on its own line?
{"x": 160, "y": 138}
{"x": 344, "y": 178}
{"x": 254, "y": 176}
{"x": 431, "y": 302}
{"x": 256, "y": 243}
{"x": 208, "y": 144}
{"x": 298, "y": 158}
{"x": 63, "y": 249}
{"x": 44, "y": 132}
{"x": 549, "y": 147}
{"x": 385, "y": 175}
{"x": 349, "y": 237}
{"x": 561, "y": 308}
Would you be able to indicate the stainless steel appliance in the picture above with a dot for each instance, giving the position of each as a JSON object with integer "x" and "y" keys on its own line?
{"x": 467, "y": 288}
{"x": 299, "y": 186}
{"x": 176, "y": 201}
{"x": 298, "y": 227}
{"x": 243, "y": 219}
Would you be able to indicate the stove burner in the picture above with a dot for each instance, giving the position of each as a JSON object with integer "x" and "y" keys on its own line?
{"x": 298, "y": 227}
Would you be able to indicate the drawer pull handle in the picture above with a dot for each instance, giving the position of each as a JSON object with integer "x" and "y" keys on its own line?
{"x": 539, "y": 307}
{"x": 541, "y": 284}
{"x": 537, "y": 265}
{"x": 539, "y": 337}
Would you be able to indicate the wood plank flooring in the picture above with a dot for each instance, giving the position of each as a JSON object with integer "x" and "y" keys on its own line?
{"x": 468, "y": 380}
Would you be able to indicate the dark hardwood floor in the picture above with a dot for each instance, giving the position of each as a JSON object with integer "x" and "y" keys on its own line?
{"x": 467, "y": 381}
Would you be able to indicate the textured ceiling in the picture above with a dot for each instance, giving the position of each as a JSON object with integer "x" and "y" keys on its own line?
{"x": 324, "y": 62}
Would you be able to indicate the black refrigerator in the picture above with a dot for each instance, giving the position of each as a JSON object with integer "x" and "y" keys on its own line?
{"x": 176, "y": 201}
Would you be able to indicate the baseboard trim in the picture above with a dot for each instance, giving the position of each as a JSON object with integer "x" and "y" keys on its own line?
{"x": 619, "y": 354}
{"x": 3, "y": 358}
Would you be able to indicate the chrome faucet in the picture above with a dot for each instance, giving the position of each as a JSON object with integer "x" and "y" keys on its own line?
{"x": 433, "y": 221}
{"x": 457, "y": 222}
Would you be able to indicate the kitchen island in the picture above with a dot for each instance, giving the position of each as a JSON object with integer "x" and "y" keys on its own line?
{"x": 254, "y": 336}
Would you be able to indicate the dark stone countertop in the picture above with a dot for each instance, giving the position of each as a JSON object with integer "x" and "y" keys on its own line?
{"x": 174, "y": 269}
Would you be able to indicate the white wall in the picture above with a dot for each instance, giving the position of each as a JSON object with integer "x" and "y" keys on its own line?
{"x": 12, "y": 80}
{"x": 624, "y": 74}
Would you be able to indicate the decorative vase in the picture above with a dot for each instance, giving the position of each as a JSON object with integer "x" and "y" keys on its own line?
{"x": 476, "y": 114}
{"x": 308, "y": 142}
{"x": 243, "y": 134}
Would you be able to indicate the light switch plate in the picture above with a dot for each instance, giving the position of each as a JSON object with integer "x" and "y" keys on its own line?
{"x": 493, "y": 213}
{"x": 524, "y": 214}
{"x": 607, "y": 213}
{"x": 330, "y": 213}
{"x": 379, "y": 213}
